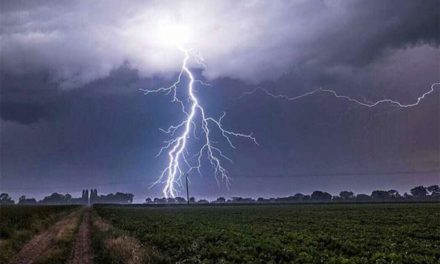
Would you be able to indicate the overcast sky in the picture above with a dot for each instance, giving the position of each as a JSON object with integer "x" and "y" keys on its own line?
{"x": 72, "y": 115}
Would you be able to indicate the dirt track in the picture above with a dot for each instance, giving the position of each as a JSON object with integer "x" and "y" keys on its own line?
{"x": 41, "y": 243}
{"x": 82, "y": 248}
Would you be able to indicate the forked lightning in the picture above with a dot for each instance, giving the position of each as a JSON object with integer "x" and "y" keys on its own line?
{"x": 180, "y": 161}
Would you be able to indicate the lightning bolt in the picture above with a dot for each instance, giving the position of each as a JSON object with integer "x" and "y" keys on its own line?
{"x": 180, "y": 161}
{"x": 345, "y": 97}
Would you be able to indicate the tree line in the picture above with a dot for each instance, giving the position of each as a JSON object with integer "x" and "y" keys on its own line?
{"x": 87, "y": 197}
{"x": 418, "y": 193}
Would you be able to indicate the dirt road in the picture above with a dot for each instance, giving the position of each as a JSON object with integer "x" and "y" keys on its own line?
{"x": 42, "y": 243}
{"x": 82, "y": 248}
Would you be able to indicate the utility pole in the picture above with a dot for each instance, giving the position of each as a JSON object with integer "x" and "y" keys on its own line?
{"x": 187, "y": 190}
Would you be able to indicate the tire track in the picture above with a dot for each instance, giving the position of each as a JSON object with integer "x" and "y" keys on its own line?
{"x": 82, "y": 248}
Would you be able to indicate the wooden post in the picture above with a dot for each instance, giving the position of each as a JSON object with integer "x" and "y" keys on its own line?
{"x": 187, "y": 190}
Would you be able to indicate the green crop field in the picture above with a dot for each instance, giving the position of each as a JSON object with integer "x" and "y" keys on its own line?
{"x": 366, "y": 233}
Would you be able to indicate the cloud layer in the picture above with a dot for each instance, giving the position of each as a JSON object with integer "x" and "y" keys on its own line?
{"x": 80, "y": 41}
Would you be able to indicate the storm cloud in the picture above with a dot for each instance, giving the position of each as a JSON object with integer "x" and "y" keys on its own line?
{"x": 80, "y": 41}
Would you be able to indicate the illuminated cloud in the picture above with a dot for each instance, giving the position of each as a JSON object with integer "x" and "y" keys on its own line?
{"x": 79, "y": 41}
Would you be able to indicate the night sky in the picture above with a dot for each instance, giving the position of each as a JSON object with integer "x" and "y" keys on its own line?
{"x": 73, "y": 117}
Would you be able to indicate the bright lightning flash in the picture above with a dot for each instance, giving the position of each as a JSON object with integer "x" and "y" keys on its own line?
{"x": 347, "y": 98}
{"x": 180, "y": 161}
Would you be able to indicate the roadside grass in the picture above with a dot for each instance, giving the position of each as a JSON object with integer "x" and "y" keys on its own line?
{"x": 115, "y": 246}
{"x": 18, "y": 224}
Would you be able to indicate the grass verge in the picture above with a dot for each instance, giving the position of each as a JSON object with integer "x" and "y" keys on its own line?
{"x": 112, "y": 245}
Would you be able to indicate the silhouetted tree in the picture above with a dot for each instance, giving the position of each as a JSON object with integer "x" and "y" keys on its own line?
{"x": 237, "y": 199}
{"x": 307, "y": 197}
{"x": 380, "y": 195}
{"x": 362, "y": 197}
{"x": 148, "y": 200}
{"x": 321, "y": 196}
{"x": 419, "y": 192}
{"x": 56, "y": 198}
{"x": 6, "y": 199}
{"x": 25, "y": 201}
{"x": 171, "y": 200}
{"x": 94, "y": 196}
{"x": 160, "y": 200}
{"x": 220, "y": 200}
{"x": 298, "y": 197}
{"x": 85, "y": 196}
{"x": 346, "y": 195}
{"x": 393, "y": 194}
{"x": 119, "y": 198}
{"x": 434, "y": 190}
{"x": 180, "y": 200}
{"x": 260, "y": 200}
{"x": 203, "y": 201}
{"x": 407, "y": 196}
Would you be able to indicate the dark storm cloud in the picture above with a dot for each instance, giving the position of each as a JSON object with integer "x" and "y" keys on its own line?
{"x": 22, "y": 113}
{"x": 370, "y": 28}
{"x": 80, "y": 41}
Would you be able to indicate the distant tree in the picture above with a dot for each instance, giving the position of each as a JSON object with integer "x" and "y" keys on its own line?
{"x": 203, "y": 201}
{"x": 171, "y": 200}
{"x": 148, "y": 200}
{"x": 160, "y": 200}
{"x": 220, "y": 200}
{"x": 321, "y": 196}
{"x": 86, "y": 196}
{"x": 94, "y": 197}
{"x": 67, "y": 198}
{"x": 117, "y": 198}
{"x": 298, "y": 197}
{"x": 363, "y": 197}
{"x": 237, "y": 199}
{"x": 434, "y": 190}
{"x": 288, "y": 199}
{"x": 192, "y": 200}
{"x": 419, "y": 191}
{"x": 346, "y": 195}
{"x": 261, "y": 200}
{"x": 5, "y": 199}
{"x": 56, "y": 198}
{"x": 380, "y": 195}
{"x": 394, "y": 194}
{"x": 180, "y": 200}
{"x": 248, "y": 200}
{"x": 336, "y": 198}
{"x": 26, "y": 201}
